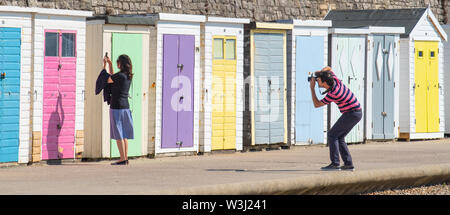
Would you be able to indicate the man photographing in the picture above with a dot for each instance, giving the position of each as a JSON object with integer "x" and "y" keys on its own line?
{"x": 351, "y": 111}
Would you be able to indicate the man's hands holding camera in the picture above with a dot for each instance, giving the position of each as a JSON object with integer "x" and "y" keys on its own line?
{"x": 312, "y": 83}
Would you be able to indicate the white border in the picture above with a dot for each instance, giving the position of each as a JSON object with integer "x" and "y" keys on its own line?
{"x": 181, "y": 28}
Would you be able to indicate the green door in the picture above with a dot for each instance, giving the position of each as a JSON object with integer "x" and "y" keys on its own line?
{"x": 131, "y": 45}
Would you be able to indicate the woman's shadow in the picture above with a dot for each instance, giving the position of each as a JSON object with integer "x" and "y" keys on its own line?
{"x": 55, "y": 125}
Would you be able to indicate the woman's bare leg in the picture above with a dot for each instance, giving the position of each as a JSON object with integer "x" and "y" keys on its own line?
{"x": 120, "y": 147}
{"x": 125, "y": 146}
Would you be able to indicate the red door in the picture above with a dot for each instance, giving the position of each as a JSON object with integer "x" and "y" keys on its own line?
{"x": 58, "y": 136}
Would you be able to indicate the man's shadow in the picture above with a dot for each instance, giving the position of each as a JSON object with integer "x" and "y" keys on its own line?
{"x": 55, "y": 126}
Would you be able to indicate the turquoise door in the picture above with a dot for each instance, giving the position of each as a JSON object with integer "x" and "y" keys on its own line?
{"x": 308, "y": 119}
{"x": 269, "y": 88}
{"x": 9, "y": 93}
{"x": 383, "y": 87}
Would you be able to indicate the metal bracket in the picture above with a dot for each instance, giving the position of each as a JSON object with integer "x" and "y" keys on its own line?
{"x": 179, "y": 143}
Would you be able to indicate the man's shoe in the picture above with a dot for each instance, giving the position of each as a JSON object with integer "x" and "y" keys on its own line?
{"x": 348, "y": 168}
{"x": 331, "y": 167}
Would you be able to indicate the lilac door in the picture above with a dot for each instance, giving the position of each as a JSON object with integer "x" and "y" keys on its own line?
{"x": 178, "y": 91}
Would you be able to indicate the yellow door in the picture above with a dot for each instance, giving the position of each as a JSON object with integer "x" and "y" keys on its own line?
{"x": 426, "y": 86}
{"x": 433, "y": 86}
{"x": 224, "y": 93}
{"x": 420, "y": 92}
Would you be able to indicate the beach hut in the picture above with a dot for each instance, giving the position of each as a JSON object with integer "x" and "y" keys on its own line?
{"x": 347, "y": 57}
{"x": 308, "y": 52}
{"x": 421, "y": 78}
{"x": 446, "y": 54}
{"x": 15, "y": 69}
{"x": 59, "y": 73}
{"x": 178, "y": 86}
{"x": 117, "y": 35}
{"x": 265, "y": 73}
{"x": 41, "y": 83}
{"x": 223, "y": 84}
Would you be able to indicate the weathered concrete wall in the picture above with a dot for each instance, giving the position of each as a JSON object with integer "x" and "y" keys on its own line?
{"x": 260, "y": 10}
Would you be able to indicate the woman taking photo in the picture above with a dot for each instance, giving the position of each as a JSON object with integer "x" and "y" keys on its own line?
{"x": 121, "y": 121}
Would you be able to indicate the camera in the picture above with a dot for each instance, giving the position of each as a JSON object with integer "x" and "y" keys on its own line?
{"x": 310, "y": 76}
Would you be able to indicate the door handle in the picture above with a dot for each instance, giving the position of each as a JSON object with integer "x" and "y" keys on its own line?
{"x": 383, "y": 113}
{"x": 349, "y": 78}
{"x": 179, "y": 143}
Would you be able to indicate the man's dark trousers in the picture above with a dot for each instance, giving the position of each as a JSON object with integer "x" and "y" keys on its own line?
{"x": 336, "y": 137}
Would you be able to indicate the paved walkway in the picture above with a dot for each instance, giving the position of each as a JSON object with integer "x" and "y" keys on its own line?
{"x": 265, "y": 172}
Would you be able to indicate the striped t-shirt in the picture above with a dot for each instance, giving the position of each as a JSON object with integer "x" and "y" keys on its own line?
{"x": 342, "y": 96}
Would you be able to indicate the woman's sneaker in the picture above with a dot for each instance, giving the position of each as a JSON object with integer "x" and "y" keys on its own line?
{"x": 348, "y": 168}
{"x": 331, "y": 167}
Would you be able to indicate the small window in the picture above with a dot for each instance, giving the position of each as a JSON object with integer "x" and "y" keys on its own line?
{"x": 218, "y": 49}
{"x": 420, "y": 54}
{"x": 68, "y": 45}
{"x": 432, "y": 54}
{"x": 51, "y": 44}
{"x": 230, "y": 48}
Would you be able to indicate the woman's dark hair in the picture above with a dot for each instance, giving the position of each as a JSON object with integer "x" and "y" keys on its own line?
{"x": 125, "y": 65}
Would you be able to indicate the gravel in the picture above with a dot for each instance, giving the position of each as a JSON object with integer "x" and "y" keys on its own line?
{"x": 440, "y": 189}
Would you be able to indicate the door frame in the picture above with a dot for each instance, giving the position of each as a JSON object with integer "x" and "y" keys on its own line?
{"x": 414, "y": 54}
{"x": 19, "y": 155}
{"x": 252, "y": 78}
{"x": 159, "y": 90}
{"x": 224, "y": 37}
{"x": 324, "y": 53}
{"x": 59, "y": 57}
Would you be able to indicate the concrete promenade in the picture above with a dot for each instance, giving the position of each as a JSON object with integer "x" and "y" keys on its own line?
{"x": 294, "y": 171}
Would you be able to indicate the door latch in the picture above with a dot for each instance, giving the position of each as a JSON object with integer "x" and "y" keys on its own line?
{"x": 179, "y": 143}
{"x": 2, "y": 75}
{"x": 59, "y": 67}
{"x": 383, "y": 113}
{"x": 180, "y": 66}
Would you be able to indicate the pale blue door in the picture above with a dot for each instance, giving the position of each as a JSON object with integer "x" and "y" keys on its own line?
{"x": 389, "y": 124}
{"x": 308, "y": 119}
{"x": 9, "y": 93}
{"x": 269, "y": 88}
{"x": 378, "y": 88}
{"x": 383, "y": 87}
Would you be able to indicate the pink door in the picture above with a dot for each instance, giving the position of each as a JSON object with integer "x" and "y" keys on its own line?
{"x": 58, "y": 132}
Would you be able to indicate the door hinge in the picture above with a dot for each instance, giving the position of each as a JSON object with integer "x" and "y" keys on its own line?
{"x": 394, "y": 123}
{"x": 394, "y": 84}
{"x": 372, "y": 124}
